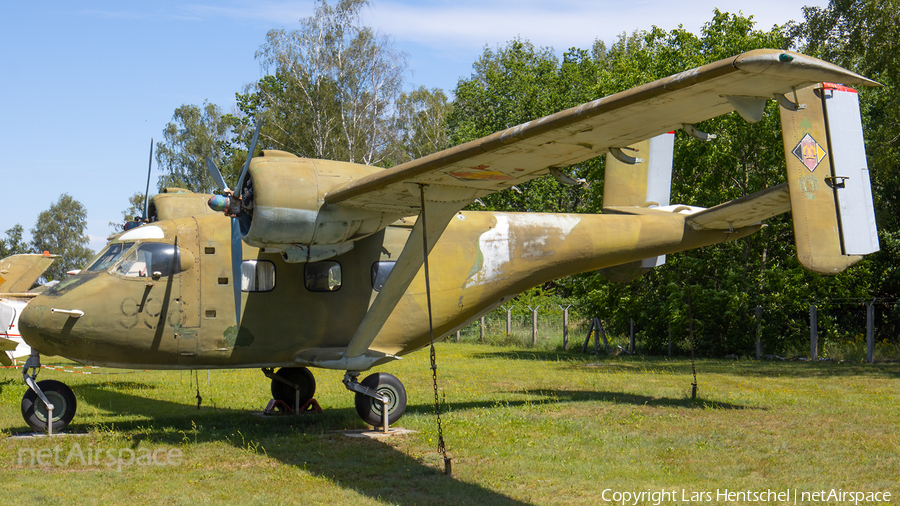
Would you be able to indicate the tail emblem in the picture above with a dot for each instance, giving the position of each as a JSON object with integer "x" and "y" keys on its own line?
{"x": 809, "y": 152}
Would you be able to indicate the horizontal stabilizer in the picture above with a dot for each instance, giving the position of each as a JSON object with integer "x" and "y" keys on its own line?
{"x": 744, "y": 211}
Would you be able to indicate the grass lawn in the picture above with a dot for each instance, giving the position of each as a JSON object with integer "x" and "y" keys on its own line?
{"x": 522, "y": 427}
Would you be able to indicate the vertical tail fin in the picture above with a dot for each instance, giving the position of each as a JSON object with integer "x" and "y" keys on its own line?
{"x": 831, "y": 197}
{"x": 644, "y": 180}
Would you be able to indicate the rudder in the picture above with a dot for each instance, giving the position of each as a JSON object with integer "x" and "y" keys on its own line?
{"x": 831, "y": 196}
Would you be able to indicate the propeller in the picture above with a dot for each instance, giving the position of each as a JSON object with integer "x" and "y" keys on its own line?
{"x": 230, "y": 204}
{"x": 135, "y": 220}
{"x": 147, "y": 191}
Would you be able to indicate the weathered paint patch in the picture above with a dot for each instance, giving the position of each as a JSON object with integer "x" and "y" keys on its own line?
{"x": 238, "y": 337}
{"x": 493, "y": 253}
{"x": 534, "y": 233}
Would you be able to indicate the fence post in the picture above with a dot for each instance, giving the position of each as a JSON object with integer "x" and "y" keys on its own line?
{"x": 870, "y": 332}
{"x": 534, "y": 325}
{"x": 457, "y": 336}
{"x": 565, "y": 327}
{"x": 508, "y": 321}
{"x": 605, "y": 342}
{"x": 482, "y": 330}
{"x": 813, "y": 334}
{"x": 631, "y": 333}
{"x": 671, "y": 345}
{"x": 587, "y": 339}
{"x": 758, "y": 332}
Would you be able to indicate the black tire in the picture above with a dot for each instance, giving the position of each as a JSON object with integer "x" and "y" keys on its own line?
{"x": 34, "y": 411}
{"x": 370, "y": 410}
{"x": 298, "y": 376}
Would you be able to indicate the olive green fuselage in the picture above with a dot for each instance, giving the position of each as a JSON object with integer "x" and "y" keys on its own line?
{"x": 186, "y": 320}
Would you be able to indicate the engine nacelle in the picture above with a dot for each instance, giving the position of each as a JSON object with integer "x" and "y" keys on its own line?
{"x": 284, "y": 209}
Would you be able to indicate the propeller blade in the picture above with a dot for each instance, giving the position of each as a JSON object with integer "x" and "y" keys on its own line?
{"x": 216, "y": 175}
{"x": 147, "y": 191}
{"x": 236, "y": 260}
{"x": 240, "y": 183}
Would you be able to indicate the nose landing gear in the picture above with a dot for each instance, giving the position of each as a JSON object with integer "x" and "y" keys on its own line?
{"x": 48, "y": 405}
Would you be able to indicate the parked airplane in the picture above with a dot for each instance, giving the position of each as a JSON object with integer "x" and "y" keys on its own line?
{"x": 323, "y": 263}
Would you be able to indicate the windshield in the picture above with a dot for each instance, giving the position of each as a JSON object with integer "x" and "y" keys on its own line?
{"x": 149, "y": 258}
{"x": 109, "y": 256}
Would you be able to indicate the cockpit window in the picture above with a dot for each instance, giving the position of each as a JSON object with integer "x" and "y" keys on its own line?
{"x": 149, "y": 258}
{"x": 109, "y": 256}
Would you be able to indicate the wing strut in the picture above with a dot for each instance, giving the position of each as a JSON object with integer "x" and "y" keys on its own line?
{"x": 442, "y": 448}
{"x": 443, "y": 204}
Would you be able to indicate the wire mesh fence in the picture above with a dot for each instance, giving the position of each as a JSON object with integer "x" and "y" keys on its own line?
{"x": 836, "y": 329}
{"x": 855, "y": 329}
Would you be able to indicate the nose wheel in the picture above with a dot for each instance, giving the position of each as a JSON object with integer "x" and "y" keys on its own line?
{"x": 36, "y": 413}
{"x": 49, "y": 405}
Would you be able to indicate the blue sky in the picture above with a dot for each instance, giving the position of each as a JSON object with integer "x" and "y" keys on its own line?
{"x": 85, "y": 85}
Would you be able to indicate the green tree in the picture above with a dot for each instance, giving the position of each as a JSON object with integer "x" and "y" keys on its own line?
{"x": 710, "y": 293}
{"x": 196, "y": 133}
{"x": 419, "y": 124}
{"x": 12, "y": 244}
{"x": 135, "y": 208}
{"x": 513, "y": 85}
{"x": 329, "y": 87}
{"x": 61, "y": 231}
{"x": 862, "y": 35}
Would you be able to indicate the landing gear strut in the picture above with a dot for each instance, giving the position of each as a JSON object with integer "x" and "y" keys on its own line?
{"x": 375, "y": 394}
{"x": 49, "y": 405}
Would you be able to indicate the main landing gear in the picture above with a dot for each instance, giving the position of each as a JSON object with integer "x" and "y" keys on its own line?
{"x": 48, "y": 405}
{"x": 293, "y": 386}
{"x": 376, "y": 395}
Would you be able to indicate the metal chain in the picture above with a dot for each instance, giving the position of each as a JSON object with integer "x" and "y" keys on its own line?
{"x": 437, "y": 405}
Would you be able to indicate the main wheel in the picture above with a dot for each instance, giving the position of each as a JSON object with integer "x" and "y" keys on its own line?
{"x": 299, "y": 376}
{"x": 370, "y": 410}
{"x": 34, "y": 411}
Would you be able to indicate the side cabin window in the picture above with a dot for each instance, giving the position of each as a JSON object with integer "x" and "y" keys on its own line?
{"x": 149, "y": 258}
{"x": 109, "y": 256}
{"x": 380, "y": 272}
{"x": 323, "y": 276}
{"x": 257, "y": 276}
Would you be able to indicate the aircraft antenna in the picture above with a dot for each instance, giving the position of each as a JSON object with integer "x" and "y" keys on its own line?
{"x": 437, "y": 404}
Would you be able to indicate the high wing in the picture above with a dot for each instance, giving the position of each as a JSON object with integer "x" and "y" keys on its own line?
{"x": 446, "y": 181}
{"x": 521, "y": 153}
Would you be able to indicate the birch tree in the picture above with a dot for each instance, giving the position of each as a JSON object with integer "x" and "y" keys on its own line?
{"x": 330, "y": 86}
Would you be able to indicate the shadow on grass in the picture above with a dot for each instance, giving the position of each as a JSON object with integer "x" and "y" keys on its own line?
{"x": 682, "y": 365}
{"x": 370, "y": 467}
{"x": 582, "y": 396}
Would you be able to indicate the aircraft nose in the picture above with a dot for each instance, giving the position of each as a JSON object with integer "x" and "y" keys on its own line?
{"x": 42, "y": 328}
